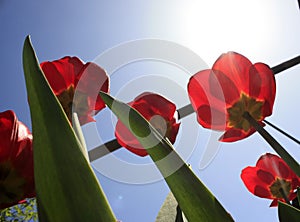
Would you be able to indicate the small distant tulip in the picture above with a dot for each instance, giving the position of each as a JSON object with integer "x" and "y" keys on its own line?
{"x": 271, "y": 178}
{"x": 159, "y": 111}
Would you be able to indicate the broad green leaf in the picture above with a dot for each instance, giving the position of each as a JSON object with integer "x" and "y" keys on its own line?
{"x": 195, "y": 200}
{"x": 66, "y": 187}
{"x": 288, "y": 213}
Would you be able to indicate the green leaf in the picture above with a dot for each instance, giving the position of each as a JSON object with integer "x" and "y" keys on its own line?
{"x": 67, "y": 188}
{"x": 194, "y": 199}
{"x": 288, "y": 213}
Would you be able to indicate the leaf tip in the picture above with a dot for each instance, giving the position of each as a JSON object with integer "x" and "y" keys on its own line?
{"x": 106, "y": 98}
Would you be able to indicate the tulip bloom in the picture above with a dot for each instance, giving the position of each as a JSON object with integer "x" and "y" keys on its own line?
{"x": 69, "y": 75}
{"x": 233, "y": 86}
{"x": 16, "y": 161}
{"x": 159, "y": 112}
{"x": 271, "y": 178}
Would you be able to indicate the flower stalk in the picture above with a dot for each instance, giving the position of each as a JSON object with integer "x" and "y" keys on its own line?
{"x": 286, "y": 199}
{"x": 293, "y": 164}
{"x": 281, "y": 131}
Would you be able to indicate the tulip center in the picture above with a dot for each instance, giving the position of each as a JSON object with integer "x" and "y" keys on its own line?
{"x": 280, "y": 188}
{"x": 237, "y": 110}
{"x": 66, "y": 99}
{"x": 11, "y": 185}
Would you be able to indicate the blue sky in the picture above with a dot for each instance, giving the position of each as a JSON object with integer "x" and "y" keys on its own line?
{"x": 264, "y": 31}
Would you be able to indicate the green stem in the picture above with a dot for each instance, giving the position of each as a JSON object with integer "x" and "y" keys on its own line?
{"x": 293, "y": 164}
{"x": 285, "y": 197}
{"x": 281, "y": 131}
{"x": 286, "y": 65}
{"x": 103, "y": 149}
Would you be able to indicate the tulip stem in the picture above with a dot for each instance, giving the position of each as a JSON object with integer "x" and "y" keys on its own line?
{"x": 185, "y": 111}
{"x": 103, "y": 150}
{"x": 285, "y": 197}
{"x": 281, "y": 131}
{"x": 293, "y": 164}
{"x": 286, "y": 65}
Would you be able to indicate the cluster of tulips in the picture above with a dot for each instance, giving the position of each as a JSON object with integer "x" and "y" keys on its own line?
{"x": 234, "y": 96}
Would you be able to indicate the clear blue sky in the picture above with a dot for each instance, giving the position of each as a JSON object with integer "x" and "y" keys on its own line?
{"x": 264, "y": 31}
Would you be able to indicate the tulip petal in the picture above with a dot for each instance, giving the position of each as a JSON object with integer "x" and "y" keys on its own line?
{"x": 211, "y": 118}
{"x": 222, "y": 87}
{"x": 210, "y": 109}
{"x": 16, "y": 161}
{"x": 236, "y": 67}
{"x": 254, "y": 183}
{"x": 127, "y": 140}
{"x": 91, "y": 80}
{"x": 61, "y": 73}
{"x": 273, "y": 164}
{"x": 266, "y": 85}
{"x": 8, "y": 132}
{"x": 232, "y": 135}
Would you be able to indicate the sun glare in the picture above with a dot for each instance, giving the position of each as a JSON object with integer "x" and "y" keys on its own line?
{"x": 214, "y": 27}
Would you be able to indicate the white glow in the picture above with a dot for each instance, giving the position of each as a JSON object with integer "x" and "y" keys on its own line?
{"x": 213, "y": 27}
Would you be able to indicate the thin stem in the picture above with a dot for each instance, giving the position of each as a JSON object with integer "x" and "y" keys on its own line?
{"x": 284, "y": 196}
{"x": 185, "y": 111}
{"x": 286, "y": 65}
{"x": 113, "y": 145}
{"x": 103, "y": 149}
{"x": 293, "y": 164}
{"x": 179, "y": 217}
{"x": 281, "y": 131}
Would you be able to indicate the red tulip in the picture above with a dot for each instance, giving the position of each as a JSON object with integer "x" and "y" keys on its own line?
{"x": 159, "y": 112}
{"x": 271, "y": 178}
{"x": 233, "y": 86}
{"x": 16, "y": 161}
{"x": 69, "y": 75}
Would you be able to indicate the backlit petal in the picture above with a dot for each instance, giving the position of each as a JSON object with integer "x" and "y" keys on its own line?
{"x": 255, "y": 184}
{"x": 158, "y": 111}
{"x": 267, "y": 87}
{"x": 16, "y": 161}
{"x": 61, "y": 73}
{"x": 91, "y": 80}
{"x": 210, "y": 108}
{"x": 236, "y": 67}
{"x": 232, "y": 135}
